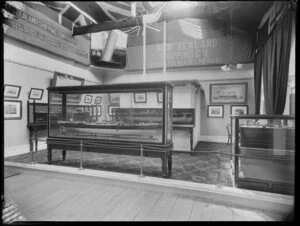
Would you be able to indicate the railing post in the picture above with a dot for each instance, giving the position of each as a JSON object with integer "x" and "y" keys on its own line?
{"x": 31, "y": 150}
{"x": 219, "y": 171}
{"x": 141, "y": 162}
{"x": 81, "y": 154}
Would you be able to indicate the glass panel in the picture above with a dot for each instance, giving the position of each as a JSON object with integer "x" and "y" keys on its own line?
{"x": 130, "y": 116}
{"x": 267, "y": 149}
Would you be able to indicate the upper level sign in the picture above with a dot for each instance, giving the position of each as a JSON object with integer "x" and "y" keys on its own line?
{"x": 33, "y": 27}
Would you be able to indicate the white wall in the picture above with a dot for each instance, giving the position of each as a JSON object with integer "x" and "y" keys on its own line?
{"x": 211, "y": 129}
{"x": 30, "y": 67}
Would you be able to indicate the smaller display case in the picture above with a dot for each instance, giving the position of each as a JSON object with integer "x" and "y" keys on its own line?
{"x": 265, "y": 152}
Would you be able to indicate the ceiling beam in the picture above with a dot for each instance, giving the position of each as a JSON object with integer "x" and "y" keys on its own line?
{"x": 207, "y": 11}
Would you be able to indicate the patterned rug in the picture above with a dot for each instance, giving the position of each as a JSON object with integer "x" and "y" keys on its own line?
{"x": 201, "y": 167}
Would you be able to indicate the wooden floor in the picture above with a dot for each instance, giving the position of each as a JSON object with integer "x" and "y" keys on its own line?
{"x": 44, "y": 196}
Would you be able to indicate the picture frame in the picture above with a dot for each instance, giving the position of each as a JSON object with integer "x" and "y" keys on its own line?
{"x": 12, "y": 91}
{"x": 228, "y": 93}
{"x": 88, "y": 99}
{"x": 35, "y": 94}
{"x": 159, "y": 97}
{"x": 12, "y": 109}
{"x": 140, "y": 97}
{"x": 215, "y": 111}
{"x": 111, "y": 109}
{"x": 98, "y": 100}
{"x": 238, "y": 109}
{"x": 114, "y": 98}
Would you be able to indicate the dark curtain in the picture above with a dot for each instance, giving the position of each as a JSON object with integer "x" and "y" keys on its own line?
{"x": 257, "y": 81}
{"x": 274, "y": 58}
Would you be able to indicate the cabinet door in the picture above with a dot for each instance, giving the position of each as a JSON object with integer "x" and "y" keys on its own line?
{"x": 181, "y": 140}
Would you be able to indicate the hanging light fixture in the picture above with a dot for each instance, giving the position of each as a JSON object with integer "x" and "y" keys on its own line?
{"x": 230, "y": 66}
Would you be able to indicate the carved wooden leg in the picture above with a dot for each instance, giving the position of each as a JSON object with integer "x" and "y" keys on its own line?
{"x": 64, "y": 152}
{"x": 164, "y": 167}
{"x": 49, "y": 149}
{"x": 170, "y": 165}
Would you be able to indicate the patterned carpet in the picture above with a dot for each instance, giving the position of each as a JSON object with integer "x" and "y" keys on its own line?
{"x": 200, "y": 167}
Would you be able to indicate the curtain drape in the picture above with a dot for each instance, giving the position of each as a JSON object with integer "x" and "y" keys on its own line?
{"x": 272, "y": 63}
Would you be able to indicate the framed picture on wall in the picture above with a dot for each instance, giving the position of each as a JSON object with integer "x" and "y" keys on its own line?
{"x": 140, "y": 97}
{"x": 215, "y": 111}
{"x": 159, "y": 97}
{"x": 98, "y": 100}
{"x": 239, "y": 110}
{"x": 112, "y": 109}
{"x": 35, "y": 94}
{"x": 12, "y": 91}
{"x": 88, "y": 99}
{"x": 228, "y": 93}
{"x": 114, "y": 98}
{"x": 12, "y": 109}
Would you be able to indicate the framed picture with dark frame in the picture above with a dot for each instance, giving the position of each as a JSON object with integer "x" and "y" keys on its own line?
{"x": 215, "y": 111}
{"x": 12, "y": 109}
{"x": 12, "y": 91}
{"x": 112, "y": 109}
{"x": 114, "y": 98}
{"x": 159, "y": 97}
{"x": 98, "y": 100}
{"x": 228, "y": 93}
{"x": 140, "y": 97}
{"x": 238, "y": 109}
{"x": 88, "y": 99}
{"x": 35, "y": 94}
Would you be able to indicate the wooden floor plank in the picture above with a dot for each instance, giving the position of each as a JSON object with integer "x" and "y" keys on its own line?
{"x": 182, "y": 209}
{"x": 22, "y": 181}
{"x": 221, "y": 213}
{"x": 98, "y": 205}
{"x": 40, "y": 206}
{"x": 251, "y": 215}
{"x": 74, "y": 206}
{"x": 122, "y": 213}
{"x": 32, "y": 192}
{"x": 113, "y": 203}
{"x": 238, "y": 214}
{"x": 197, "y": 210}
{"x": 207, "y": 212}
{"x": 58, "y": 198}
{"x": 147, "y": 207}
{"x": 162, "y": 208}
{"x": 140, "y": 204}
{"x": 115, "y": 213}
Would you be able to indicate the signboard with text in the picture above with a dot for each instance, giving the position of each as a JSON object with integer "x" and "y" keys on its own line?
{"x": 32, "y": 27}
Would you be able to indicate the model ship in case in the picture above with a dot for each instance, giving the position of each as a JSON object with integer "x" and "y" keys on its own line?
{"x": 116, "y": 122}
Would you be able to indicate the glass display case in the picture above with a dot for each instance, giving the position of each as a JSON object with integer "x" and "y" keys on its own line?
{"x": 265, "y": 152}
{"x": 122, "y": 114}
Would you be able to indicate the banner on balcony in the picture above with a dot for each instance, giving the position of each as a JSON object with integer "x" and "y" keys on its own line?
{"x": 188, "y": 46}
{"x": 33, "y": 27}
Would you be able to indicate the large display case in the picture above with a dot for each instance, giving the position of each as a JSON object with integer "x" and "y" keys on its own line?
{"x": 264, "y": 148}
{"x": 119, "y": 119}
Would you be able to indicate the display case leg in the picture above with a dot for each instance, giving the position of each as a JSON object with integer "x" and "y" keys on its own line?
{"x": 49, "y": 149}
{"x": 170, "y": 165}
{"x": 64, "y": 152}
{"x": 164, "y": 167}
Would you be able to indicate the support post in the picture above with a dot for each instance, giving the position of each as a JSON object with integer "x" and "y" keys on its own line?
{"x": 81, "y": 155}
{"x": 141, "y": 162}
{"x": 144, "y": 50}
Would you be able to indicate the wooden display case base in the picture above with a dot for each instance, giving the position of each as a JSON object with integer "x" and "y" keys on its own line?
{"x": 164, "y": 152}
